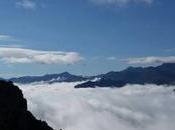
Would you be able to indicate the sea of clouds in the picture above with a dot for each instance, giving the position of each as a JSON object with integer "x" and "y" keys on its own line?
{"x": 133, "y": 107}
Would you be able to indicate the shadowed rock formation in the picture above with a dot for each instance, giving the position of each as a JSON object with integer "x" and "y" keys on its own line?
{"x": 13, "y": 110}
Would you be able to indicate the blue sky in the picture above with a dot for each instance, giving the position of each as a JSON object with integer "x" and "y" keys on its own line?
{"x": 102, "y": 35}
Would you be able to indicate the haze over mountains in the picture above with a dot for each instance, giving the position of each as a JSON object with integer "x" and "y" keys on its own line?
{"x": 163, "y": 74}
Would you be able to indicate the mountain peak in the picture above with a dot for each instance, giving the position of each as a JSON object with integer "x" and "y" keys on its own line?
{"x": 65, "y": 73}
{"x": 130, "y": 68}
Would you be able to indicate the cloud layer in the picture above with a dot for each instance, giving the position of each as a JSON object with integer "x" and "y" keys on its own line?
{"x": 151, "y": 60}
{"x": 121, "y": 2}
{"x": 134, "y": 107}
{"x": 20, "y": 55}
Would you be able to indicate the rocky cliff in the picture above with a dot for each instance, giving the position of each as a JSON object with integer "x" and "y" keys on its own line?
{"x": 13, "y": 110}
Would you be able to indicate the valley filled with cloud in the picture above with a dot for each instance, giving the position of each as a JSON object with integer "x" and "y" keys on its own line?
{"x": 133, "y": 107}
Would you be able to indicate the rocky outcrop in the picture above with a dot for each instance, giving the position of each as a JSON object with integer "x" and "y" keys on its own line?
{"x": 13, "y": 110}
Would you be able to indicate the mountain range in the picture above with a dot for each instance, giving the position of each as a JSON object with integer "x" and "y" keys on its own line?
{"x": 162, "y": 74}
{"x": 49, "y": 78}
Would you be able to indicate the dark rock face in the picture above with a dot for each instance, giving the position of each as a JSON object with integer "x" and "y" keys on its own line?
{"x": 13, "y": 110}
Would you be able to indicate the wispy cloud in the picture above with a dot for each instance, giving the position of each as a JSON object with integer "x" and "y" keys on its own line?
{"x": 21, "y": 55}
{"x": 151, "y": 60}
{"x": 27, "y": 4}
{"x": 12, "y": 45}
{"x": 111, "y": 58}
{"x": 170, "y": 50}
{"x": 6, "y": 38}
{"x": 121, "y": 2}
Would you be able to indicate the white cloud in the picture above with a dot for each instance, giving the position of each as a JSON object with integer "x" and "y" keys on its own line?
{"x": 21, "y": 55}
{"x": 151, "y": 60}
{"x": 122, "y": 2}
{"x": 26, "y": 4}
{"x": 133, "y": 107}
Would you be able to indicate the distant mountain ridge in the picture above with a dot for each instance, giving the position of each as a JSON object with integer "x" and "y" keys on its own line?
{"x": 49, "y": 78}
{"x": 162, "y": 74}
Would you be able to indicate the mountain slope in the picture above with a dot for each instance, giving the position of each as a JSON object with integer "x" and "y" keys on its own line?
{"x": 163, "y": 74}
